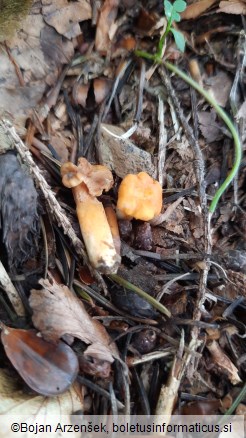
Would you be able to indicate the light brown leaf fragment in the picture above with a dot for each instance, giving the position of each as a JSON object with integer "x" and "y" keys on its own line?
{"x": 57, "y": 312}
{"x": 106, "y": 19}
{"x": 236, "y": 7}
{"x": 223, "y": 362}
{"x": 29, "y": 408}
{"x": 196, "y": 9}
{"x": 123, "y": 156}
{"x": 65, "y": 16}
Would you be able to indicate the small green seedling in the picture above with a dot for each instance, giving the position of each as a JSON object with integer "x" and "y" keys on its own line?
{"x": 172, "y": 11}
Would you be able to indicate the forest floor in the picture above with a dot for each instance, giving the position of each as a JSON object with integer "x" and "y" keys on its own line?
{"x": 72, "y": 84}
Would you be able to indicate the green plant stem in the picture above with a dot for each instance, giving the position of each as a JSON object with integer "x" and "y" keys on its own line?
{"x": 141, "y": 293}
{"x": 237, "y": 401}
{"x": 238, "y": 149}
{"x": 229, "y": 124}
{"x": 146, "y": 55}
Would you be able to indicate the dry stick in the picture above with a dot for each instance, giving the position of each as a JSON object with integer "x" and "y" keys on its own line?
{"x": 199, "y": 161}
{"x": 232, "y": 174}
{"x": 162, "y": 141}
{"x": 11, "y": 292}
{"x": 200, "y": 174}
{"x": 49, "y": 196}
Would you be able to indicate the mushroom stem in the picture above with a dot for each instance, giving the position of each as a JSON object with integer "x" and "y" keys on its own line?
{"x": 95, "y": 231}
{"x": 113, "y": 224}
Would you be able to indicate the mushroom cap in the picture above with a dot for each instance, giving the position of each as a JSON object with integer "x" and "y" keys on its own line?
{"x": 96, "y": 177}
{"x": 140, "y": 196}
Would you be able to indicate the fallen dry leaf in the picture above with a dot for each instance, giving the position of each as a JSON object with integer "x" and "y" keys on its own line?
{"x": 57, "y": 312}
{"x": 65, "y": 15}
{"x": 220, "y": 86}
{"x": 47, "y": 368}
{"x": 123, "y": 156}
{"x": 183, "y": 148}
{"x": 208, "y": 126}
{"x": 30, "y": 407}
{"x": 196, "y": 9}
{"x": 223, "y": 362}
{"x": 106, "y": 19}
{"x": 233, "y": 7}
{"x": 39, "y": 52}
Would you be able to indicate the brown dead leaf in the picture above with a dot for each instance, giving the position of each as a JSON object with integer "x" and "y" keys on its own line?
{"x": 223, "y": 362}
{"x": 65, "y": 15}
{"x": 123, "y": 156}
{"x": 220, "y": 86}
{"x": 39, "y": 52}
{"x": 48, "y": 369}
{"x": 183, "y": 148}
{"x": 208, "y": 126}
{"x": 236, "y": 7}
{"x": 106, "y": 19}
{"x": 57, "y": 312}
{"x": 196, "y": 9}
{"x": 61, "y": 145}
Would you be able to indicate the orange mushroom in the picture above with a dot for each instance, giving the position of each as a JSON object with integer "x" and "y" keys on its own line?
{"x": 88, "y": 181}
{"x": 139, "y": 197}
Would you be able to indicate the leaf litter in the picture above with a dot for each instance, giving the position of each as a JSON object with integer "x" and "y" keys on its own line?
{"x": 49, "y": 307}
{"x": 64, "y": 47}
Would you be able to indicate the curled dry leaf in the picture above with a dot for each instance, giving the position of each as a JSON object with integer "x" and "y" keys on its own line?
{"x": 48, "y": 369}
{"x": 57, "y": 312}
{"x": 32, "y": 407}
{"x": 223, "y": 362}
{"x": 196, "y": 9}
{"x": 101, "y": 88}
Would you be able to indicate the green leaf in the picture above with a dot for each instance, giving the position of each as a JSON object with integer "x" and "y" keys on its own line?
{"x": 179, "y": 39}
{"x": 175, "y": 16}
{"x": 171, "y": 10}
{"x": 168, "y": 8}
{"x": 179, "y": 5}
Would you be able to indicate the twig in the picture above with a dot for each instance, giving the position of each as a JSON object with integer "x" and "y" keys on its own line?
{"x": 11, "y": 292}
{"x": 154, "y": 355}
{"x": 199, "y": 161}
{"x": 163, "y": 217}
{"x": 162, "y": 141}
{"x": 98, "y": 390}
{"x": 169, "y": 283}
{"x": 169, "y": 391}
